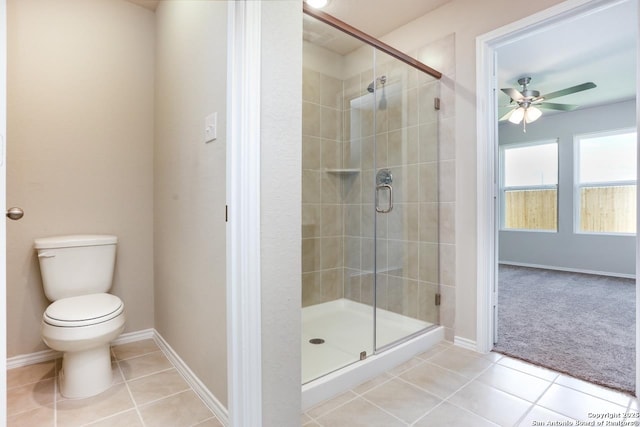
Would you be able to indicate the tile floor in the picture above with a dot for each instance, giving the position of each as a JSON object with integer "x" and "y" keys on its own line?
{"x": 449, "y": 386}
{"x": 147, "y": 391}
{"x": 446, "y": 386}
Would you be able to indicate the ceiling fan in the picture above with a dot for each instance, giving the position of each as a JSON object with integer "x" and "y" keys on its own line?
{"x": 527, "y": 102}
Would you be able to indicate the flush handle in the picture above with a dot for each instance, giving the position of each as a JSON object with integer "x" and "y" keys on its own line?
{"x": 15, "y": 213}
{"x": 46, "y": 255}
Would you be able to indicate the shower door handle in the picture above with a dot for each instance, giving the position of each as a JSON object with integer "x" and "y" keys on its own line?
{"x": 389, "y": 207}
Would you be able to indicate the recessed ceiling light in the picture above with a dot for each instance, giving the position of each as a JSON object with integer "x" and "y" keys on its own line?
{"x": 317, "y": 4}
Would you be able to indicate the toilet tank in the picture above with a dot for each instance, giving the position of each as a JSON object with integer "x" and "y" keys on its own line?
{"x": 76, "y": 265}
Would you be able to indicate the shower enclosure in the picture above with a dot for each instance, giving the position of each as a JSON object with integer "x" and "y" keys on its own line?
{"x": 369, "y": 200}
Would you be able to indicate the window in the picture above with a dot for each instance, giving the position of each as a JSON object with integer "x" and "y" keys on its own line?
{"x": 529, "y": 186}
{"x": 606, "y": 182}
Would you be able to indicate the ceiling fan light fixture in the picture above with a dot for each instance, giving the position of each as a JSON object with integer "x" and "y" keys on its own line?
{"x": 517, "y": 115}
{"x": 532, "y": 114}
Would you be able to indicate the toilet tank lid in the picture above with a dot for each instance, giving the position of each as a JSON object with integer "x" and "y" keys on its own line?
{"x": 75, "y": 240}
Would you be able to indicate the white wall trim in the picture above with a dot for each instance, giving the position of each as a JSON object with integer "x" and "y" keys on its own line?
{"x": 486, "y": 46}
{"x": 198, "y": 386}
{"x": 32, "y": 358}
{"x": 244, "y": 345}
{"x": 571, "y": 270}
{"x": 3, "y": 198}
{"x": 465, "y": 343}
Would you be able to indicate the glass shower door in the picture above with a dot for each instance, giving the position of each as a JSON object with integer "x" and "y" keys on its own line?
{"x": 405, "y": 198}
{"x": 337, "y": 247}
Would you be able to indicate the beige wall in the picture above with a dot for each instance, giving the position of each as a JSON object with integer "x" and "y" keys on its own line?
{"x": 189, "y": 192}
{"x": 80, "y": 141}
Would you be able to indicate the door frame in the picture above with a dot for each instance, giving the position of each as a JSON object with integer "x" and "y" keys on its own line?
{"x": 487, "y": 160}
{"x": 3, "y": 201}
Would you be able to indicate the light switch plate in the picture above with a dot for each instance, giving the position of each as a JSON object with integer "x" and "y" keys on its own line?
{"x": 211, "y": 127}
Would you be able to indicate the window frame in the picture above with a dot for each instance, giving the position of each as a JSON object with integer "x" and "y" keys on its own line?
{"x": 577, "y": 185}
{"x": 502, "y": 188}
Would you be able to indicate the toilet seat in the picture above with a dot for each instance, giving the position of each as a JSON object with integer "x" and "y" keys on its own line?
{"x": 83, "y": 310}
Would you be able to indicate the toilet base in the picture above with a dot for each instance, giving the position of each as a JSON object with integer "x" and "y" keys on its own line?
{"x": 86, "y": 373}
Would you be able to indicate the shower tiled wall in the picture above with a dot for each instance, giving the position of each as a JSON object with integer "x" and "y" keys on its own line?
{"x": 416, "y": 240}
{"x": 322, "y": 210}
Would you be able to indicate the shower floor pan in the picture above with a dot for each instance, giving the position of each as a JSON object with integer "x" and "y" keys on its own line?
{"x": 346, "y": 327}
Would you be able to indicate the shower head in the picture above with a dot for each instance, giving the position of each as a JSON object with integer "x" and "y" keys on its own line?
{"x": 374, "y": 84}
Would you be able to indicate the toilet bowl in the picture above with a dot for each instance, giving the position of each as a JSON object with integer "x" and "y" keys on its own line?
{"x": 83, "y": 319}
{"x": 82, "y": 328}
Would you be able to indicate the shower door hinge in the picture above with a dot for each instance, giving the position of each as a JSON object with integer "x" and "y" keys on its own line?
{"x": 438, "y": 298}
{"x": 363, "y": 355}
{"x": 436, "y": 103}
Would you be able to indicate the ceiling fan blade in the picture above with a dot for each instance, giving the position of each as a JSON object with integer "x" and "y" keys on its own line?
{"x": 553, "y": 106}
{"x": 513, "y": 94}
{"x": 506, "y": 116}
{"x": 569, "y": 90}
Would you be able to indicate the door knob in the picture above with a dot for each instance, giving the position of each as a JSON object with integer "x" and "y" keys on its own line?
{"x": 15, "y": 213}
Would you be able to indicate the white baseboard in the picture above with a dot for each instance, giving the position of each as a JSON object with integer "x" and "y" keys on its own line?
{"x": 144, "y": 334}
{"x": 571, "y": 270}
{"x": 32, "y": 358}
{"x": 465, "y": 343}
{"x": 201, "y": 390}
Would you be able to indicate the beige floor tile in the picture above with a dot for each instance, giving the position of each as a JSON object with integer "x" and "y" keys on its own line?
{"x": 30, "y": 396}
{"x": 182, "y": 409}
{"x": 464, "y": 362}
{"x": 528, "y": 368}
{"x": 331, "y": 404}
{"x": 129, "y": 418}
{"x": 156, "y": 386}
{"x": 304, "y": 419}
{"x": 575, "y": 404}
{"x": 605, "y": 393}
{"x": 490, "y": 403}
{"x": 144, "y": 365}
{"x": 375, "y": 382}
{"x": 30, "y": 374}
{"x": 538, "y": 416}
{"x": 134, "y": 349}
{"x": 359, "y": 413}
{"x": 518, "y": 383}
{"x": 415, "y": 361}
{"x": 433, "y": 351}
{"x": 211, "y": 422}
{"x": 39, "y": 417}
{"x": 434, "y": 379}
{"x": 73, "y": 412}
{"x": 452, "y": 416}
{"x": 492, "y": 356}
{"x": 403, "y": 400}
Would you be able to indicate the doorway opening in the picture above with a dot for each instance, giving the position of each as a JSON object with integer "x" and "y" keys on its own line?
{"x": 534, "y": 231}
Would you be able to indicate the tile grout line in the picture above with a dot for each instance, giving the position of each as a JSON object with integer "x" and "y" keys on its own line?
{"x": 126, "y": 384}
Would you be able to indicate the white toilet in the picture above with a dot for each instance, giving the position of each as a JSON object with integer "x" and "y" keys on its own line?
{"x": 83, "y": 319}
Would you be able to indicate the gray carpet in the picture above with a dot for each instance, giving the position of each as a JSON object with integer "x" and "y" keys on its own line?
{"x": 579, "y": 324}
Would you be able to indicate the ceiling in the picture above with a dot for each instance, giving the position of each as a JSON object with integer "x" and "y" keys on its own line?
{"x": 599, "y": 47}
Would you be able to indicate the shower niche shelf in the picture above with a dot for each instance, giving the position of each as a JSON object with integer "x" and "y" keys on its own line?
{"x": 342, "y": 171}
